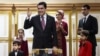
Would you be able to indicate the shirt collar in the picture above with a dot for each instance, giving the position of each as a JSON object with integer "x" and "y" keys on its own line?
{"x": 87, "y": 16}
{"x": 45, "y": 15}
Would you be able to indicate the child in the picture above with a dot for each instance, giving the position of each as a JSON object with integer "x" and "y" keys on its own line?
{"x": 16, "y": 51}
{"x": 24, "y": 44}
{"x": 85, "y": 48}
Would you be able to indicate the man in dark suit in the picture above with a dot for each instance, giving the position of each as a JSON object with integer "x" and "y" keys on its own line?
{"x": 16, "y": 51}
{"x": 90, "y": 24}
{"x": 44, "y": 32}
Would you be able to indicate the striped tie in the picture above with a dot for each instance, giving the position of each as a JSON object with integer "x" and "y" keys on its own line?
{"x": 42, "y": 22}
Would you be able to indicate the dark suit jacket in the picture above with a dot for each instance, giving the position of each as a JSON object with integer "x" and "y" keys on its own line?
{"x": 46, "y": 38}
{"x": 92, "y": 26}
{"x": 20, "y": 53}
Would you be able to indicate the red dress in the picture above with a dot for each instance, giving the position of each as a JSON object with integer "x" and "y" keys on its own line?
{"x": 85, "y": 49}
{"x": 61, "y": 37}
{"x": 24, "y": 47}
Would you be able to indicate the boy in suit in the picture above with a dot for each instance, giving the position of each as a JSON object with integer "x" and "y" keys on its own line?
{"x": 16, "y": 51}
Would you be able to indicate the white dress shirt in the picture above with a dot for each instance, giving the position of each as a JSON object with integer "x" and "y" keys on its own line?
{"x": 86, "y": 17}
{"x": 16, "y": 53}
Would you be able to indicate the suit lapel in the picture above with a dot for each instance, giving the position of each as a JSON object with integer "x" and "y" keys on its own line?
{"x": 81, "y": 22}
{"x": 47, "y": 22}
{"x": 86, "y": 23}
{"x": 88, "y": 19}
{"x": 13, "y": 53}
{"x": 18, "y": 53}
{"x": 39, "y": 23}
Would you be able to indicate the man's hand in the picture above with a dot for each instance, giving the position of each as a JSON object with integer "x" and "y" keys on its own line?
{"x": 29, "y": 13}
{"x": 55, "y": 50}
{"x": 79, "y": 30}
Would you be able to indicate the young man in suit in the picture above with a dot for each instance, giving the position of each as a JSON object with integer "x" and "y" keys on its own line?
{"x": 90, "y": 24}
{"x": 16, "y": 51}
{"x": 44, "y": 31}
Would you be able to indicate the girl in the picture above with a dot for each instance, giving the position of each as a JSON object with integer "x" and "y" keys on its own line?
{"x": 85, "y": 48}
{"x": 24, "y": 44}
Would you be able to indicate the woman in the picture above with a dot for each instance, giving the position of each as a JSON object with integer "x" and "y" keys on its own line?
{"x": 24, "y": 44}
{"x": 62, "y": 31}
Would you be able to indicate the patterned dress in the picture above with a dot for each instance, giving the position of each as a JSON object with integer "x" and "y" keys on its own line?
{"x": 61, "y": 36}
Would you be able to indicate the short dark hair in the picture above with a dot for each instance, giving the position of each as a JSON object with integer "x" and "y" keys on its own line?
{"x": 85, "y": 33}
{"x": 17, "y": 42}
{"x": 43, "y": 3}
{"x": 87, "y": 6}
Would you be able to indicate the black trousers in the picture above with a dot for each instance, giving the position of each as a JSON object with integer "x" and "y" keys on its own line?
{"x": 93, "y": 50}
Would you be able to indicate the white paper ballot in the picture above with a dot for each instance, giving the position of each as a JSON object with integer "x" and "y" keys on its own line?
{"x": 50, "y": 51}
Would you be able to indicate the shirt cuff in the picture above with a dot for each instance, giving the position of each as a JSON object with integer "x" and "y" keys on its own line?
{"x": 28, "y": 18}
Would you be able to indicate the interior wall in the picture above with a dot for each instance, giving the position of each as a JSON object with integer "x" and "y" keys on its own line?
{"x": 52, "y": 7}
{"x": 48, "y": 1}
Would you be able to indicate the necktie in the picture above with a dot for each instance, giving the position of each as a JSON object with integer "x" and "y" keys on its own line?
{"x": 42, "y": 22}
{"x": 84, "y": 21}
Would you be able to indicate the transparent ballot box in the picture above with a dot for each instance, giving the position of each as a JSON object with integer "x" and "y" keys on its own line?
{"x": 47, "y": 52}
